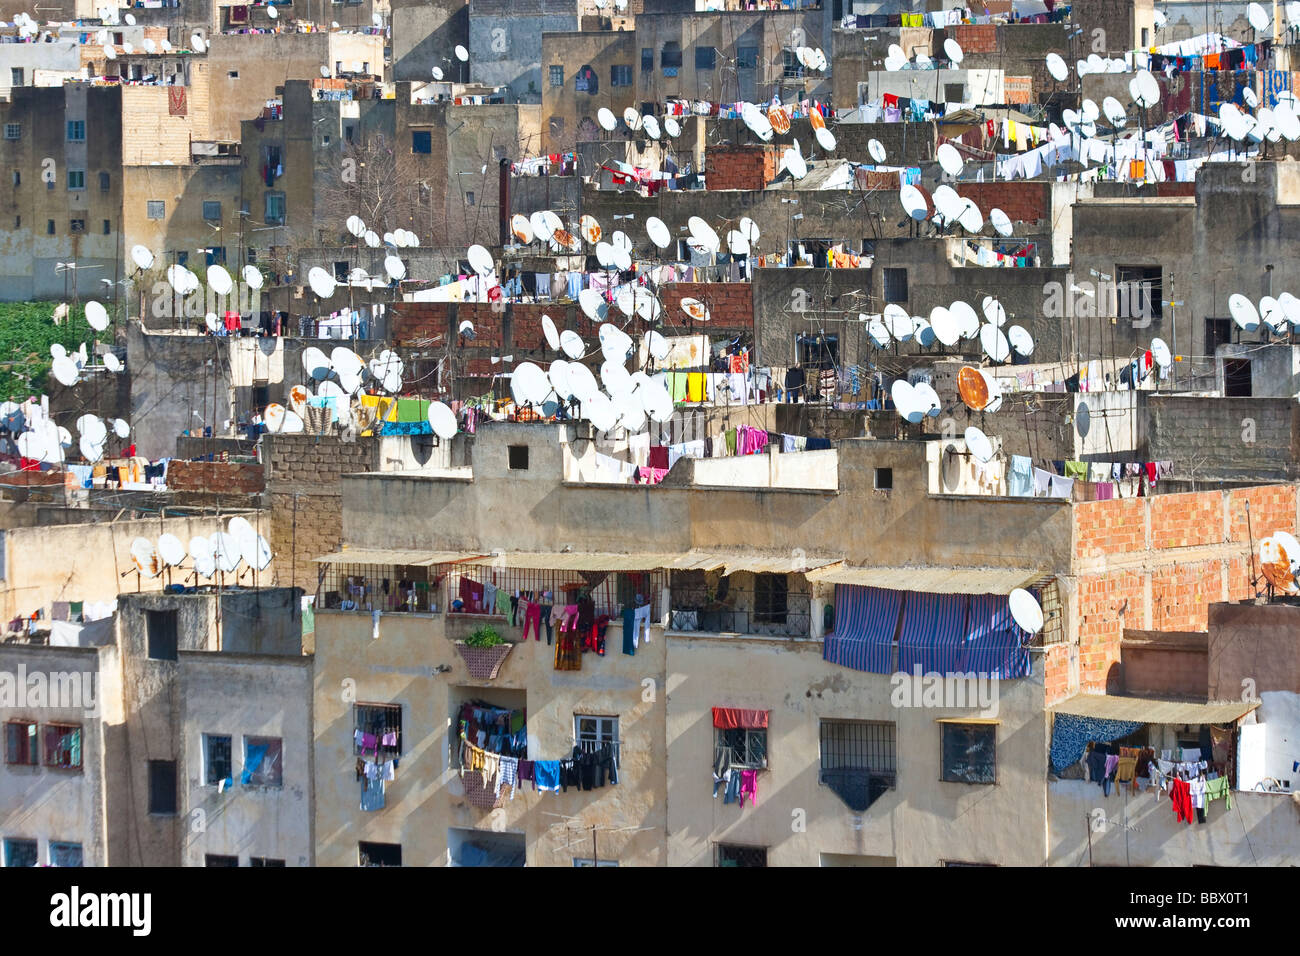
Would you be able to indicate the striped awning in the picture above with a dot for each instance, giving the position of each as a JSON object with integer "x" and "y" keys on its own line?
{"x": 1149, "y": 710}
{"x": 392, "y": 557}
{"x": 932, "y": 579}
{"x": 728, "y": 563}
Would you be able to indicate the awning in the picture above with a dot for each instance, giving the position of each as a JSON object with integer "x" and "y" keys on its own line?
{"x": 1147, "y": 710}
{"x": 756, "y": 563}
{"x": 409, "y": 558}
{"x": 652, "y": 561}
{"x": 934, "y": 580}
{"x": 736, "y": 718}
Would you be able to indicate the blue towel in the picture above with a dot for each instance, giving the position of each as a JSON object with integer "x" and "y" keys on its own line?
{"x": 1020, "y": 479}
{"x": 546, "y": 775}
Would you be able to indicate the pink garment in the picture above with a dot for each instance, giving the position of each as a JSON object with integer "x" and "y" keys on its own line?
{"x": 533, "y": 618}
{"x": 752, "y": 440}
{"x": 569, "y": 621}
{"x": 1112, "y": 761}
{"x": 650, "y": 476}
{"x": 749, "y": 785}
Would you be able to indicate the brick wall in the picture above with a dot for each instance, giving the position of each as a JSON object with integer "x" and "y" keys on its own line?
{"x": 314, "y": 462}
{"x": 731, "y": 305}
{"x": 215, "y": 476}
{"x": 303, "y": 527}
{"x": 1157, "y": 563}
{"x": 1021, "y": 201}
{"x": 27, "y": 479}
{"x": 977, "y": 37}
{"x": 740, "y": 167}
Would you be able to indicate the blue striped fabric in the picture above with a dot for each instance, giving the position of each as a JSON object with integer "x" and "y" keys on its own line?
{"x": 995, "y": 645}
{"x": 865, "y": 620}
{"x": 934, "y": 633}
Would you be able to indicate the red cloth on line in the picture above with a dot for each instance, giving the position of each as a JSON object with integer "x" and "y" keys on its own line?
{"x": 736, "y": 718}
{"x": 658, "y": 457}
{"x": 891, "y": 101}
{"x": 1151, "y": 472}
{"x": 1180, "y": 793}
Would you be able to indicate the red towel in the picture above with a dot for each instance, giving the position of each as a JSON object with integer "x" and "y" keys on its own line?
{"x": 1180, "y": 793}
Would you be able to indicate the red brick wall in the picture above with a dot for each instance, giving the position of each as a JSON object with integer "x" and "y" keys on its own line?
{"x": 1021, "y": 201}
{"x": 26, "y": 479}
{"x": 731, "y": 305}
{"x": 739, "y": 167}
{"x": 1056, "y": 673}
{"x": 1107, "y": 603}
{"x": 1117, "y": 526}
{"x": 1184, "y": 521}
{"x": 977, "y": 37}
{"x": 215, "y": 476}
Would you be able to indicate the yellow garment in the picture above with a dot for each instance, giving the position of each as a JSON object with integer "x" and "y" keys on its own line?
{"x": 491, "y": 766}
{"x": 1125, "y": 769}
{"x": 695, "y": 387}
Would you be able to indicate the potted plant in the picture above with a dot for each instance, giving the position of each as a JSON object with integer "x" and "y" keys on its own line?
{"x": 484, "y": 652}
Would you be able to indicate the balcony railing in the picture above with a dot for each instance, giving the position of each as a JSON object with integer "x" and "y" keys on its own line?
{"x": 742, "y": 612}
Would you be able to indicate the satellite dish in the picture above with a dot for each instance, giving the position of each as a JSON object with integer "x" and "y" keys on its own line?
{"x": 142, "y": 257}
{"x": 593, "y": 306}
{"x": 877, "y": 332}
{"x": 395, "y": 267}
{"x": 1248, "y": 95}
{"x": 703, "y": 234}
{"x": 1056, "y": 67}
{"x": 321, "y": 282}
{"x": 252, "y": 277}
{"x": 904, "y": 401}
{"x": 1160, "y": 353}
{"x": 315, "y": 363}
{"x": 109, "y": 52}
{"x": 618, "y": 240}
{"x": 995, "y": 343}
{"x": 480, "y": 260}
{"x": 914, "y": 203}
{"x": 521, "y": 229}
{"x": 696, "y": 309}
{"x": 462, "y": 54}
{"x": 65, "y": 371}
{"x": 558, "y": 374}
{"x": 953, "y": 49}
{"x": 582, "y": 382}
{"x": 651, "y": 127}
{"x": 877, "y": 150}
{"x": 615, "y": 378}
{"x": 794, "y": 162}
{"x": 944, "y": 326}
{"x": 198, "y": 43}
{"x": 968, "y": 323}
{"x": 437, "y": 73}
{"x": 1257, "y": 16}
{"x": 671, "y": 127}
{"x": 443, "y": 420}
{"x": 210, "y": 320}
{"x": 355, "y": 225}
{"x": 978, "y": 444}
{"x": 145, "y": 557}
{"x": 656, "y": 401}
{"x": 658, "y": 232}
{"x": 1022, "y": 343}
{"x": 1145, "y": 89}
{"x": 949, "y": 159}
{"x": 737, "y": 244}
{"x": 529, "y": 384}
{"x": 111, "y": 362}
{"x": 96, "y": 316}
{"x": 170, "y": 549}
{"x": 971, "y": 219}
{"x": 656, "y": 345}
{"x": 1025, "y": 611}
{"x": 92, "y": 427}
{"x": 825, "y": 139}
{"x": 973, "y": 388}
{"x": 600, "y": 411}
{"x": 371, "y": 239}
{"x": 325, "y": 74}
{"x": 272, "y": 13}
{"x": 219, "y": 280}
{"x": 1001, "y": 222}
{"x": 898, "y": 322}
{"x": 548, "y": 329}
{"x": 225, "y": 549}
{"x": 949, "y": 204}
{"x": 571, "y": 343}
{"x": 1290, "y": 306}
{"x": 1089, "y": 111}
{"x": 1113, "y": 110}
{"x": 927, "y": 399}
{"x": 1243, "y": 312}
{"x": 273, "y": 417}
{"x": 166, "y": 45}
{"x": 994, "y": 311}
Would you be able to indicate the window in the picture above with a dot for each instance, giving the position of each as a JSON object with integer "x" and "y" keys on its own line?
{"x": 379, "y": 854}
{"x": 340, "y": 274}
{"x": 620, "y": 75}
{"x": 63, "y": 746}
{"x": 895, "y": 285}
{"x": 1138, "y": 291}
{"x": 469, "y": 197}
{"x": 18, "y": 177}
{"x": 20, "y": 742}
{"x": 770, "y": 593}
{"x": 155, "y": 209}
{"x": 162, "y": 786}
{"x": 1217, "y": 332}
{"x": 746, "y": 57}
{"x": 858, "y": 760}
{"x": 586, "y": 81}
{"x": 65, "y": 854}
{"x": 105, "y": 182}
{"x": 49, "y": 227}
{"x": 76, "y": 131}
{"x": 18, "y": 222}
{"x": 1236, "y": 378}
{"x": 264, "y": 861}
{"x": 379, "y": 721}
{"x": 731, "y": 854}
{"x": 182, "y": 257}
{"x": 970, "y": 753}
{"x": 161, "y": 626}
{"x": 557, "y": 125}
{"x": 20, "y": 853}
{"x": 252, "y": 254}
{"x": 587, "y": 861}
{"x": 214, "y": 255}
{"x": 884, "y": 479}
{"x": 233, "y": 74}
{"x": 77, "y": 225}
{"x": 13, "y": 130}
{"x": 954, "y": 92}
{"x": 671, "y": 57}
{"x": 556, "y": 74}
{"x": 1144, "y": 38}
{"x": 818, "y": 351}
{"x": 216, "y": 760}
{"x": 518, "y": 457}
{"x": 647, "y": 59}
{"x": 262, "y": 763}
{"x": 108, "y": 228}
{"x": 748, "y": 747}
{"x": 212, "y": 210}
{"x": 215, "y": 859}
{"x": 591, "y": 732}
{"x": 15, "y": 76}
{"x": 421, "y": 141}
{"x": 790, "y": 66}
{"x": 706, "y": 57}
{"x": 274, "y": 208}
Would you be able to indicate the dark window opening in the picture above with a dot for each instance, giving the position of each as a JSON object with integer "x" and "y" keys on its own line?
{"x": 217, "y": 765}
{"x": 340, "y": 272}
{"x": 884, "y": 479}
{"x": 819, "y": 351}
{"x": 20, "y": 742}
{"x": 518, "y": 457}
{"x": 63, "y": 746}
{"x": 770, "y": 598}
{"x": 1138, "y": 290}
{"x": 20, "y": 853}
{"x": 1217, "y": 332}
{"x": 647, "y": 60}
{"x": 586, "y": 81}
{"x": 421, "y": 141}
{"x": 162, "y": 634}
{"x": 380, "y": 854}
{"x": 671, "y": 57}
{"x": 216, "y": 859}
{"x": 858, "y": 760}
{"x": 970, "y": 753}
{"x": 730, "y": 854}
{"x": 706, "y": 57}
{"x": 1236, "y": 378}
{"x": 264, "y": 861}
{"x": 748, "y": 748}
{"x": 380, "y": 726}
{"x": 620, "y": 75}
{"x": 162, "y": 786}
{"x": 747, "y": 57}
{"x": 895, "y": 285}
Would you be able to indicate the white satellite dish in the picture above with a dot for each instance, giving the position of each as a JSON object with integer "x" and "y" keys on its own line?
{"x": 443, "y": 420}
{"x": 252, "y": 277}
{"x": 672, "y": 127}
{"x": 877, "y": 150}
{"x": 395, "y": 267}
{"x": 825, "y": 139}
{"x": 219, "y": 280}
{"x": 272, "y": 13}
{"x": 651, "y": 127}
{"x": 356, "y": 226}
{"x": 142, "y": 257}
{"x": 315, "y": 363}
{"x": 211, "y": 321}
{"x": 606, "y": 118}
{"x": 1249, "y": 97}
{"x": 437, "y": 73}
{"x": 96, "y": 316}
{"x": 703, "y": 234}
{"x": 321, "y": 282}
{"x": 1144, "y": 89}
{"x": 944, "y": 326}
{"x": 994, "y": 342}
{"x": 903, "y": 397}
{"x": 1243, "y": 312}
{"x": 145, "y": 557}
{"x": 792, "y": 160}
{"x": 971, "y": 219}
{"x": 968, "y": 323}
{"x": 1270, "y": 311}
{"x": 170, "y": 549}
{"x": 877, "y": 332}
{"x": 1114, "y": 112}
{"x": 197, "y": 41}
{"x": 1160, "y": 353}
{"x": 954, "y": 51}
{"x": 914, "y": 203}
{"x": 658, "y": 232}
{"x": 529, "y": 384}
{"x": 1022, "y": 343}
{"x": 1025, "y": 611}
{"x": 978, "y": 444}
{"x": 549, "y": 330}
{"x": 109, "y": 52}
{"x": 593, "y": 306}
{"x": 1056, "y": 67}
{"x": 600, "y": 411}
{"x": 696, "y": 309}
{"x": 571, "y": 344}
{"x": 462, "y": 54}
{"x": 121, "y": 429}
{"x": 225, "y": 549}
{"x": 480, "y": 260}
{"x": 898, "y": 322}
{"x": 994, "y": 311}
{"x": 1258, "y": 17}
{"x": 112, "y": 363}
{"x": 65, "y": 371}
{"x": 926, "y": 399}
{"x": 656, "y": 345}
{"x": 949, "y": 159}
{"x": 372, "y": 239}
{"x": 1001, "y": 222}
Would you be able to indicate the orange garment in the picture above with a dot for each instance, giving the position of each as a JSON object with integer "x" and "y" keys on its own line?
{"x": 1212, "y": 61}
{"x": 1137, "y": 169}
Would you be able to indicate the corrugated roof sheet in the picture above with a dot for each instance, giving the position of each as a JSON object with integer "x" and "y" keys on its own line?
{"x": 651, "y": 560}
{"x": 934, "y": 580}
{"x": 410, "y": 558}
{"x": 1151, "y": 711}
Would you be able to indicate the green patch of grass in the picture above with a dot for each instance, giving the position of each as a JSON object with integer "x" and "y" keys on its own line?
{"x": 27, "y": 331}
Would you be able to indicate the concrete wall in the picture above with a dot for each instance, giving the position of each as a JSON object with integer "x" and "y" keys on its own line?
{"x": 1274, "y": 369}
{"x": 569, "y": 115}
{"x": 505, "y": 43}
{"x": 1165, "y": 664}
{"x": 244, "y": 696}
{"x": 424, "y": 33}
{"x": 1226, "y": 438}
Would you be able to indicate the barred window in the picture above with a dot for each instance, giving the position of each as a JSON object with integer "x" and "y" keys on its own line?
{"x": 379, "y": 720}
{"x": 732, "y": 854}
{"x": 748, "y": 747}
{"x": 858, "y": 760}
{"x": 970, "y": 753}
{"x": 591, "y": 732}
{"x": 63, "y": 746}
{"x": 770, "y": 594}
{"x": 217, "y": 760}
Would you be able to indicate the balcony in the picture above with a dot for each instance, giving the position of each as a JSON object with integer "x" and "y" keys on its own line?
{"x": 769, "y": 609}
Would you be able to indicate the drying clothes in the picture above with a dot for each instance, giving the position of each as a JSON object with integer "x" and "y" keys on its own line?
{"x": 1077, "y": 470}
{"x": 732, "y": 793}
{"x": 721, "y": 769}
{"x": 372, "y": 795}
{"x": 548, "y": 618}
{"x": 1180, "y": 794}
{"x": 1042, "y": 482}
{"x": 503, "y": 602}
{"x": 1219, "y": 788}
{"x": 748, "y": 787}
{"x": 489, "y": 598}
{"x": 1125, "y": 769}
{"x": 568, "y": 650}
{"x": 533, "y": 619}
{"x": 509, "y": 775}
{"x": 546, "y": 775}
{"x": 1020, "y": 478}
{"x": 1060, "y": 487}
